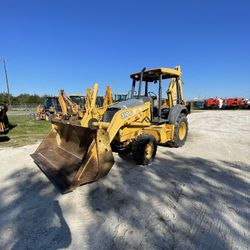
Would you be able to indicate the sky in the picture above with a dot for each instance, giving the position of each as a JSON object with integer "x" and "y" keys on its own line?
{"x": 50, "y": 45}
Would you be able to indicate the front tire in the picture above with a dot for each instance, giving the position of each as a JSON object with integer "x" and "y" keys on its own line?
{"x": 144, "y": 149}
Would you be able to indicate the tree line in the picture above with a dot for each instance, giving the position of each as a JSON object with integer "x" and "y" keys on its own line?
{"x": 22, "y": 99}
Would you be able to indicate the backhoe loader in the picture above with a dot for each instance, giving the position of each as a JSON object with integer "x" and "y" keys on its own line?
{"x": 78, "y": 99}
{"x": 89, "y": 105}
{"x": 72, "y": 155}
{"x": 4, "y": 121}
{"x": 49, "y": 108}
{"x": 69, "y": 108}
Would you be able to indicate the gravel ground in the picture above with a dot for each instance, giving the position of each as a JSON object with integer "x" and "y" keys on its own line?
{"x": 194, "y": 197}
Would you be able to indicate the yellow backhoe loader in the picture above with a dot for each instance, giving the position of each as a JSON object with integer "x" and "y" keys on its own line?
{"x": 69, "y": 108}
{"x": 78, "y": 99}
{"x": 92, "y": 104}
{"x": 49, "y": 108}
{"x": 73, "y": 155}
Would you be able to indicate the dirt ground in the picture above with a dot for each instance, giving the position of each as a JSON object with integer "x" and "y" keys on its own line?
{"x": 194, "y": 197}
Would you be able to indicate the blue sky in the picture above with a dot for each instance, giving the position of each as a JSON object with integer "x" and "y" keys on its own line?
{"x": 50, "y": 45}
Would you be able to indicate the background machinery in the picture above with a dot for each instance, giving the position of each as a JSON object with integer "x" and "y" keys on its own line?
{"x": 120, "y": 97}
{"x": 50, "y": 107}
{"x": 213, "y": 103}
{"x": 78, "y": 99}
{"x": 92, "y": 110}
{"x": 98, "y": 101}
{"x": 247, "y": 103}
{"x": 69, "y": 108}
{"x": 72, "y": 155}
{"x": 74, "y": 107}
{"x": 234, "y": 103}
{"x": 4, "y": 121}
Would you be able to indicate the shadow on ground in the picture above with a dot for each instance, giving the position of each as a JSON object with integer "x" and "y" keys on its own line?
{"x": 175, "y": 203}
{"x": 31, "y": 217}
{"x": 11, "y": 126}
{"x": 4, "y": 138}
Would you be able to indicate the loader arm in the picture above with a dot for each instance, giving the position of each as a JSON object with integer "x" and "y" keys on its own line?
{"x": 91, "y": 111}
{"x": 90, "y": 106}
{"x": 108, "y": 99}
{"x": 67, "y": 105}
{"x": 128, "y": 117}
{"x": 135, "y": 116}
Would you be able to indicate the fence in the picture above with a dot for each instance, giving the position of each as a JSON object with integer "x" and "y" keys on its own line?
{"x": 24, "y": 107}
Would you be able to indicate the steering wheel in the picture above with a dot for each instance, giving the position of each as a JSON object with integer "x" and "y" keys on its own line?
{"x": 152, "y": 95}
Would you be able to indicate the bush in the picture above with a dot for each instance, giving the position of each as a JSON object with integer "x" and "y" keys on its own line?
{"x": 21, "y": 99}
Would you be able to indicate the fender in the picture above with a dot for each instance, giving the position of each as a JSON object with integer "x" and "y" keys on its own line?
{"x": 175, "y": 112}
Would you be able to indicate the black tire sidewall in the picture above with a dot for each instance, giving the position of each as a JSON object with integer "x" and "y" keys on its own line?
{"x": 178, "y": 141}
{"x": 139, "y": 146}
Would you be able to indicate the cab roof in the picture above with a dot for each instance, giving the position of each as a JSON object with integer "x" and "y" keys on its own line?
{"x": 77, "y": 95}
{"x": 151, "y": 75}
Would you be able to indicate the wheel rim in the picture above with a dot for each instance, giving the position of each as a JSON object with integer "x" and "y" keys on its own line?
{"x": 182, "y": 130}
{"x": 149, "y": 150}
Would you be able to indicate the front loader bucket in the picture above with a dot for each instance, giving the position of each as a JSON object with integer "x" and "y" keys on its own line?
{"x": 72, "y": 155}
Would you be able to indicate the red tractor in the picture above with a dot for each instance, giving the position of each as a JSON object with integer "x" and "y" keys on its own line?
{"x": 234, "y": 103}
{"x": 213, "y": 103}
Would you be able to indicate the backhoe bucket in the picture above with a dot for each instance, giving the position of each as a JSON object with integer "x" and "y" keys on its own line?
{"x": 72, "y": 155}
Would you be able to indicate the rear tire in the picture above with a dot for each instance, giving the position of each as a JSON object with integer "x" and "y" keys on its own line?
{"x": 180, "y": 132}
{"x": 144, "y": 149}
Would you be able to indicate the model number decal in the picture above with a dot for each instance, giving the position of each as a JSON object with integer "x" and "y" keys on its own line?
{"x": 126, "y": 114}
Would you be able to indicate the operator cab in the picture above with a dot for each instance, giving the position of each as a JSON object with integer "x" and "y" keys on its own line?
{"x": 51, "y": 104}
{"x": 78, "y": 99}
{"x": 159, "y": 106}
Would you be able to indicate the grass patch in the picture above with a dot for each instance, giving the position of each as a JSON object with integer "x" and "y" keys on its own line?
{"x": 26, "y": 132}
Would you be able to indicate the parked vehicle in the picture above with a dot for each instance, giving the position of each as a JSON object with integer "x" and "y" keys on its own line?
{"x": 234, "y": 103}
{"x": 213, "y": 103}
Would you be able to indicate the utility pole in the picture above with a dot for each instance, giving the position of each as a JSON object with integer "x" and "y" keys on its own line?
{"x": 7, "y": 82}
